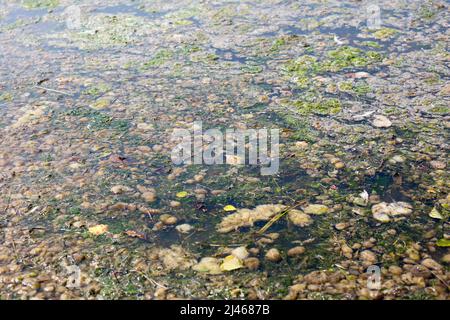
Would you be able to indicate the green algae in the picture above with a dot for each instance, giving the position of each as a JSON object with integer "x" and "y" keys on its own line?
{"x": 40, "y": 4}
{"x": 160, "y": 58}
{"x": 96, "y": 90}
{"x": 384, "y": 33}
{"x": 250, "y": 68}
{"x": 307, "y": 66}
{"x": 6, "y": 97}
{"x": 324, "y": 107}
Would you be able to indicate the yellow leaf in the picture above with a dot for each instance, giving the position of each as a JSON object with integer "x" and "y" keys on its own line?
{"x": 436, "y": 214}
{"x": 98, "y": 229}
{"x": 182, "y": 194}
{"x": 229, "y": 208}
{"x": 231, "y": 263}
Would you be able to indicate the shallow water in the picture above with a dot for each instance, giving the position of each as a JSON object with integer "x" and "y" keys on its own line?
{"x": 89, "y": 107}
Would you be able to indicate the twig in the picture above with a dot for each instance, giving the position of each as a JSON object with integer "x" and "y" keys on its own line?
{"x": 278, "y": 216}
{"x": 53, "y": 90}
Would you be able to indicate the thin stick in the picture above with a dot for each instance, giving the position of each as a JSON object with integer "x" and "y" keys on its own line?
{"x": 53, "y": 90}
{"x": 278, "y": 216}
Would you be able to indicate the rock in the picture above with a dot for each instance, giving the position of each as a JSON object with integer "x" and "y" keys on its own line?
{"x": 149, "y": 196}
{"x": 341, "y": 226}
{"x": 368, "y": 256}
{"x": 384, "y": 211}
{"x": 395, "y": 270}
{"x": 175, "y": 204}
{"x": 120, "y": 189}
{"x": 316, "y": 278}
{"x": 381, "y": 121}
{"x": 144, "y": 126}
{"x": 184, "y": 228}
{"x": 360, "y": 202}
{"x": 431, "y": 264}
{"x": 208, "y": 265}
{"x": 157, "y": 148}
{"x": 420, "y": 271}
{"x": 316, "y": 209}
{"x": 160, "y": 293}
{"x": 240, "y": 252}
{"x": 295, "y": 251}
{"x": 251, "y": 263}
{"x": 98, "y": 229}
{"x": 273, "y": 255}
{"x": 347, "y": 251}
{"x": 446, "y": 258}
{"x": 301, "y": 144}
{"x": 299, "y": 218}
{"x": 339, "y": 165}
{"x": 198, "y": 178}
{"x": 438, "y": 165}
{"x": 168, "y": 219}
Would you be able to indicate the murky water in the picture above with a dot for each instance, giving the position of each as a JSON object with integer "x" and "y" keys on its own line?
{"x": 88, "y": 104}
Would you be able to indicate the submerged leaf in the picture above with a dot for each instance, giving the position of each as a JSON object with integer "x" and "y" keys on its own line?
{"x": 229, "y": 208}
{"x": 98, "y": 229}
{"x": 435, "y": 214}
{"x": 443, "y": 243}
{"x": 231, "y": 263}
{"x": 182, "y": 194}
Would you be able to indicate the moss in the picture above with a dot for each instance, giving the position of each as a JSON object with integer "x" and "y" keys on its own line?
{"x": 40, "y": 4}
{"x": 372, "y": 44}
{"x": 323, "y": 107}
{"x": 252, "y": 68}
{"x": 441, "y": 109}
{"x": 97, "y": 89}
{"x": 277, "y": 44}
{"x": 384, "y": 33}
{"x": 6, "y": 97}
{"x": 345, "y": 86}
{"x": 308, "y": 66}
{"x": 158, "y": 59}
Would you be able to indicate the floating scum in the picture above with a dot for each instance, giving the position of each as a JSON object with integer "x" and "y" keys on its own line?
{"x": 313, "y": 148}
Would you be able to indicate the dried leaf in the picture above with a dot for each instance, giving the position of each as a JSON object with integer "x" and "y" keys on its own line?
{"x": 98, "y": 229}
{"x": 229, "y": 208}
{"x": 231, "y": 263}
{"x": 182, "y": 194}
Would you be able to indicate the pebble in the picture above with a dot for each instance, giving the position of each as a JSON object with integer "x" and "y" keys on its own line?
{"x": 149, "y": 196}
{"x": 381, "y": 121}
{"x": 273, "y": 255}
{"x": 368, "y": 257}
{"x": 240, "y": 252}
{"x": 341, "y": 226}
{"x": 438, "y": 165}
{"x": 175, "y": 204}
{"x": 299, "y": 218}
{"x": 119, "y": 189}
{"x": 168, "y": 219}
{"x": 339, "y": 165}
{"x": 395, "y": 270}
{"x": 198, "y": 178}
{"x": 431, "y": 264}
{"x": 295, "y": 251}
{"x": 251, "y": 263}
{"x": 446, "y": 258}
{"x": 184, "y": 228}
{"x": 316, "y": 209}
